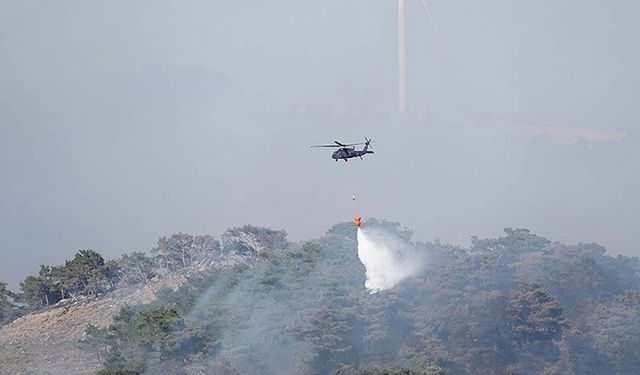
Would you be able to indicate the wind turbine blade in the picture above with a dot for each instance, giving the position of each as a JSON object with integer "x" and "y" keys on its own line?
{"x": 433, "y": 24}
{"x": 402, "y": 57}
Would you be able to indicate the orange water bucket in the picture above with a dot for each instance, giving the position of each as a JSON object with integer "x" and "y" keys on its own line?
{"x": 357, "y": 220}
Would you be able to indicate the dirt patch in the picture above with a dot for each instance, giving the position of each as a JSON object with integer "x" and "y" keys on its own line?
{"x": 47, "y": 342}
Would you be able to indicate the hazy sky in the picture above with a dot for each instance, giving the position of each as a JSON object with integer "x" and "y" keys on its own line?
{"x": 123, "y": 121}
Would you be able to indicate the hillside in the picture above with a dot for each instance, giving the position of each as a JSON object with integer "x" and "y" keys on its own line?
{"x": 253, "y": 302}
{"x": 47, "y": 342}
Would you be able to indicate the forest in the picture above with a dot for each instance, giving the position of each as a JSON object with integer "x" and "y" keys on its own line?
{"x": 256, "y": 303}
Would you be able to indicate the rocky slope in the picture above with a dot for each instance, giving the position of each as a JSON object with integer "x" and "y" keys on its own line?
{"x": 47, "y": 342}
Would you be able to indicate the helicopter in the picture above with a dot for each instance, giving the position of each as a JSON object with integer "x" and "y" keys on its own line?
{"x": 348, "y": 151}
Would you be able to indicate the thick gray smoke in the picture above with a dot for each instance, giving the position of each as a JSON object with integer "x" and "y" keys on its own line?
{"x": 387, "y": 259}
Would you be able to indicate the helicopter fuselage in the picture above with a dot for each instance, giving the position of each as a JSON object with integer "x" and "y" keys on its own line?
{"x": 345, "y": 153}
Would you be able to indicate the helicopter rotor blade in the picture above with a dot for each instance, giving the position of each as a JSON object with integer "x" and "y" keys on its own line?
{"x": 326, "y": 146}
{"x": 339, "y": 144}
{"x": 347, "y": 144}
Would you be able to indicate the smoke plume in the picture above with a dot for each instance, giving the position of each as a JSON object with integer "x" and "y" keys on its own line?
{"x": 387, "y": 260}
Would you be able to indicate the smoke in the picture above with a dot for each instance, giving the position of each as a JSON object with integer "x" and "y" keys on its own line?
{"x": 246, "y": 342}
{"x": 387, "y": 259}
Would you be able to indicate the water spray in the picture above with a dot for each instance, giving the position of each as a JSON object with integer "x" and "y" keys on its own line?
{"x": 387, "y": 259}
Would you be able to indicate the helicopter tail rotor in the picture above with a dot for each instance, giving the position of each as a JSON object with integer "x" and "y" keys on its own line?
{"x": 367, "y": 144}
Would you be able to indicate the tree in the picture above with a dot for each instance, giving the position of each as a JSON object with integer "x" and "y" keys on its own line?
{"x": 134, "y": 268}
{"x": 517, "y": 241}
{"x": 181, "y": 250}
{"x": 96, "y": 340}
{"x": 41, "y": 290}
{"x": 205, "y": 247}
{"x": 116, "y": 364}
{"x": 59, "y": 275}
{"x": 331, "y": 334}
{"x": 534, "y": 314}
{"x": 616, "y": 331}
{"x": 137, "y": 340}
{"x": 252, "y": 240}
{"x": 86, "y": 274}
{"x": 156, "y": 329}
{"x": 33, "y": 292}
{"x": 8, "y": 310}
